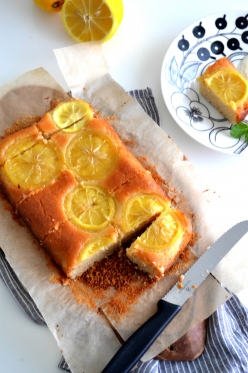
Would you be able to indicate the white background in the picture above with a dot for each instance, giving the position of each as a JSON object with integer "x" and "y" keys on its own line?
{"x": 135, "y": 54}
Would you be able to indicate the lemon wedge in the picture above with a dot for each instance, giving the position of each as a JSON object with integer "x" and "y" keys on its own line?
{"x": 87, "y": 20}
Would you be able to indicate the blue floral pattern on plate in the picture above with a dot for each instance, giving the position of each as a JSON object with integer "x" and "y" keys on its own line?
{"x": 189, "y": 55}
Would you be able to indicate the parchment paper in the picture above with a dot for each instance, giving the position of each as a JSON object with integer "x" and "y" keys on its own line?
{"x": 84, "y": 337}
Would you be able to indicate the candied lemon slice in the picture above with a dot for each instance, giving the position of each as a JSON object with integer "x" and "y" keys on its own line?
{"x": 91, "y": 155}
{"x": 92, "y": 20}
{"x": 35, "y": 167}
{"x": 229, "y": 85}
{"x": 162, "y": 232}
{"x": 94, "y": 247}
{"x": 141, "y": 208}
{"x": 19, "y": 147}
{"x": 89, "y": 207}
{"x": 71, "y": 116}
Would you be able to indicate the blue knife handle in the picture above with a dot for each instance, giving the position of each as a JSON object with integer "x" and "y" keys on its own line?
{"x": 139, "y": 342}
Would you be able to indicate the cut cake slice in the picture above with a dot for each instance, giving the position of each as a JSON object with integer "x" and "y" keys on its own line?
{"x": 215, "y": 84}
{"x": 160, "y": 245}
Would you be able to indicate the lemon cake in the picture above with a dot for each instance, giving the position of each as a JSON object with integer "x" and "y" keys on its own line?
{"x": 81, "y": 192}
{"x": 159, "y": 246}
{"x": 226, "y": 89}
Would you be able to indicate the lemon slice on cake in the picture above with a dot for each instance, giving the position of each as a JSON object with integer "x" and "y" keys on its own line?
{"x": 35, "y": 167}
{"x": 71, "y": 116}
{"x": 162, "y": 232}
{"x": 229, "y": 85}
{"x": 89, "y": 207}
{"x": 91, "y": 155}
{"x": 142, "y": 208}
{"x": 95, "y": 246}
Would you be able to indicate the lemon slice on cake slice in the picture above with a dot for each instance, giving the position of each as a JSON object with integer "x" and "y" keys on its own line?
{"x": 156, "y": 249}
{"x": 140, "y": 209}
{"x": 229, "y": 85}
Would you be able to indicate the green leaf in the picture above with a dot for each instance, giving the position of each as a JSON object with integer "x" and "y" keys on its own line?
{"x": 238, "y": 130}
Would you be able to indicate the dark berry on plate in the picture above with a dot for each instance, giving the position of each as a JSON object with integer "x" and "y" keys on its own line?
{"x": 183, "y": 44}
{"x": 244, "y": 37}
{"x": 199, "y": 31}
{"x": 217, "y": 47}
{"x": 221, "y": 22}
{"x": 242, "y": 22}
{"x": 233, "y": 44}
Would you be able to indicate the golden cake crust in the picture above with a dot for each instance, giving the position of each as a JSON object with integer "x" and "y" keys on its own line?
{"x": 43, "y": 211}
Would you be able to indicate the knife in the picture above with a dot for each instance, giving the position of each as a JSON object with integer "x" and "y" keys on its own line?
{"x": 168, "y": 307}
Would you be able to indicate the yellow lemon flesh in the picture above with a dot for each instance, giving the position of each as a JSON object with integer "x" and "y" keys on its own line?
{"x": 88, "y": 20}
{"x": 91, "y": 155}
{"x": 35, "y": 167}
{"x": 71, "y": 116}
{"x": 229, "y": 85}
{"x": 94, "y": 247}
{"x": 89, "y": 207}
{"x": 18, "y": 147}
{"x": 162, "y": 232}
{"x": 50, "y": 5}
{"x": 141, "y": 208}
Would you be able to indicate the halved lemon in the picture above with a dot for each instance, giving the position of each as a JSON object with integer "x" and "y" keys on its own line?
{"x": 229, "y": 85}
{"x": 35, "y": 167}
{"x": 91, "y": 155}
{"x": 89, "y": 207}
{"x": 94, "y": 247}
{"x": 88, "y": 20}
{"x": 162, "y": 232}
{"x": 141, "y": 208}
{"x": 71, "y": 116}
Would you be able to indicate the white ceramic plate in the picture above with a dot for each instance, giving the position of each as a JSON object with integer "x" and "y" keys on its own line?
{"x": 196, "y": 47}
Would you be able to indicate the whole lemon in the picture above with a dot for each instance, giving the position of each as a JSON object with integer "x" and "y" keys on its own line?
{"x": 50, "y": 5}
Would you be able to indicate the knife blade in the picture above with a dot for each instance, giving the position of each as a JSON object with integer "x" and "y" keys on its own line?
{"x": 169, "y": 306}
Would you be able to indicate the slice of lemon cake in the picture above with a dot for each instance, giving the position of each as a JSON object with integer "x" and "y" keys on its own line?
{"x": 79, "y": 190}
{"x": 226, "y": 89}
{"x": 159, "y": 246}
{"x": 30, "y": 164}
